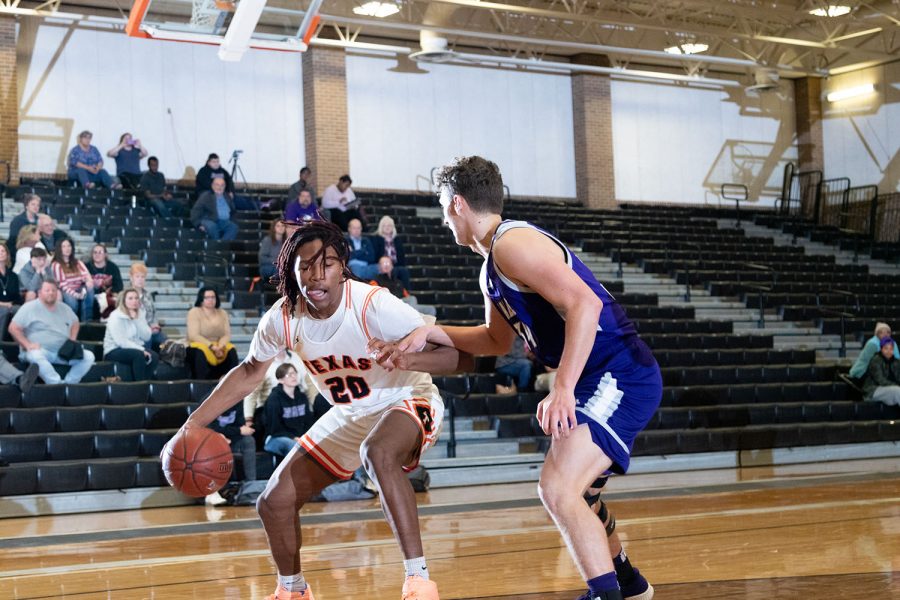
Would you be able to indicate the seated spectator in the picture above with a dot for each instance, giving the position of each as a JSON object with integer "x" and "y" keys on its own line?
{"x": 269, "y": 248}
{"x": 50, "y": 235}
{"x": 362, "y": 255}
{"x": 515, "y": 366}
{"x": 210, "y": 171}
{"x": 10, "y": 375}
{"x": 211, "y": 353}
{"x": 212, "y": 213}
{"x": 386, "y": 279}
{"x": 107, "y": 279}
{"x": 303, "y": 209}
{"x": 153, "y": 185}
{"x": 255, "y": 402}
{"x": 138, "y": 277}
{"x": 128, "y": 154}
{"x": 28, "y": 239}
{"x": 10, "y": 298}
{"x": 34, "y": 273}
{"x": 301, "y": 184}
{"x": 85, "y": 165}
{"x": 29, "y": 216}
{"x": 386, "y": 242}
{"x": 75, "y": 281}
{"x": 43, "y": 329}
{"x": 870, "y": 349}
{"x": 342, "y": 202}
{"x": 127, "y": 335}
{"x": 882, "y": 382}
{"x": 287, "y": 412}
{"x": 231, "y": 424}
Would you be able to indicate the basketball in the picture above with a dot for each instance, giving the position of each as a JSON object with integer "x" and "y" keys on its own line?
{"x": 198, "y": 462}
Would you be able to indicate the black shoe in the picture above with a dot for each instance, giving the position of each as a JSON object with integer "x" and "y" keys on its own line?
{"x": 27, "y": 379}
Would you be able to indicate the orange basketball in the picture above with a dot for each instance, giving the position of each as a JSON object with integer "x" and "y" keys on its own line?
{"x": 197, "y": 463}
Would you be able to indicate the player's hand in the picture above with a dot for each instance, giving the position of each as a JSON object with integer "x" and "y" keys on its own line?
{"x": 415, "y": 341}
{"x": 556, "y": 414}
{"x": 247, "y": 430}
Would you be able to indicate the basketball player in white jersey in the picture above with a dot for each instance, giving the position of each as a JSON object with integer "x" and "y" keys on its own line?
{"x": 382, "y": 419}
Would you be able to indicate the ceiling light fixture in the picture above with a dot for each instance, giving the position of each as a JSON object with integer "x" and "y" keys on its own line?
{"x": 846, "y": 94}
{"x": 688, "y": 48}
{"x": 833, "y": 10}
{"x": 377, "y": 9}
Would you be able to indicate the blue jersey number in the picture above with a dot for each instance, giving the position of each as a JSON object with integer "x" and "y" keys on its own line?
{"x": 521, "y": 329}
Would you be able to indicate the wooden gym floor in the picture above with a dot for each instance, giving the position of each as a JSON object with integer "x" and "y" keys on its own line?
{"x": 800, "y": 532}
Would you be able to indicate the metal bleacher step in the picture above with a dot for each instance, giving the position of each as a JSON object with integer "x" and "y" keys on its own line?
{"x": 492, "y": 447}
{"x": 449, "y": 472}
{"x": 468, "y": 435}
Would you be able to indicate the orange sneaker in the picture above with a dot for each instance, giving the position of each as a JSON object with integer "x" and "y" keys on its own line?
{"x": 283, "y": 594}
{"x": 417, "y": 588}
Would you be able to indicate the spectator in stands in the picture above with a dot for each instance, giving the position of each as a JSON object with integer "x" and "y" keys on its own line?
{"x": 75, "y": 281}
{"x": 362, "y": 255}
{"x": 210, "y": 171}
{"x": 10, "y": 375}
{"x": 35, "y": 272}
{"x": 287, "y": 412}
{"x": 301, "y": 184}
{"x": 10, "y": 298}
{"x": 128, "y": 154}
{"x": 50, "y": 235}
{"x": 27, "y": 239}
{"x": 231, "y": 424}
{"x": 212, "y": 212}
{"x": 85, "y": 165}
{"x": 870, "y": 349}
{"x": 211, "y": 353}
{"x": 269, "y": 248}
{"x": 153, "y": 184}
{"x": 386, "y": 242}
{"x": 29, "y": 216}
{"x": 386, "y": 279}
{"x": 255, "y": 402}
{"x": 882, "y": 382}
{"x": 138, "y": 276}
{"x": 43, "y": 329}
{"x": 342, "y": 202}
{"x": 515, "y": 366}
{"x": 303, "y": 209}
{"x": 127, "y": 335}
{"x": 107, "y": 279}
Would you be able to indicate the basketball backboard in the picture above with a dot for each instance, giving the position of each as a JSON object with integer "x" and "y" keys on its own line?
{"x": 284, "y": 25}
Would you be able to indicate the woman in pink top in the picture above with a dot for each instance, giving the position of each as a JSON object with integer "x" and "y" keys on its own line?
{"x": 75, "y": 282}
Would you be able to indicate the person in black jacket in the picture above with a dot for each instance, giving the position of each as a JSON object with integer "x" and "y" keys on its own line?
{"x": 29, "y": 216}
{"x": 232, "y": 425}
{"x": 386, "y": 242}
{"x": 882, "y": 383}
{"x": 212, "y": 214}
{"x": 287, "y": 413}
{"x": 210, "y": 171}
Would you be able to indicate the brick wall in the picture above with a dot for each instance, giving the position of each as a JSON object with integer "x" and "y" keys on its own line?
{"x": 595, "y": 182}
{"x": 325, "y": 115}
{"x": 808, "y": 109}
{"x": 9, "y": 98}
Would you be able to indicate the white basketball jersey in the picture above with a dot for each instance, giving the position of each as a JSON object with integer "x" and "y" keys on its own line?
{"x": 344, "y": 373}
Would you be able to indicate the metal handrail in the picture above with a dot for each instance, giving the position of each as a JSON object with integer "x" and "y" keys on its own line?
{"x": 687, "y": 268}
{"x": 843, "y": 314}
{"x": 734, "y": 189}
{"x": 762, "y": 290}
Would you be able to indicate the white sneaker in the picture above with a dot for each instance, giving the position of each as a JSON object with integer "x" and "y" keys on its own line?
{"x": 215, "y": 499}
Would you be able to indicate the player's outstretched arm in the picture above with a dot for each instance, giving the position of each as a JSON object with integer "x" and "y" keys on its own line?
{"x": 434, "y": 359}
{"x": 494, "y": 338}
{"x": 233, "y": 388}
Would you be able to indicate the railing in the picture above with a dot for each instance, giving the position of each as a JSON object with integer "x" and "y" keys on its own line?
{"x": 736, "y": 192}
{"x": 687, "y": 268}
{"x": 428, "y": 183}
{"x": 6, "y": 181}
{"x": 762, "y": 290}
{"x": 832, "y": 201}
{"x": 843, "y": 314}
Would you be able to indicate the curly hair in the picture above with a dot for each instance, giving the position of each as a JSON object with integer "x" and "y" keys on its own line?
{"x": 476, "y": 179}
{"x": 330, "y": 235}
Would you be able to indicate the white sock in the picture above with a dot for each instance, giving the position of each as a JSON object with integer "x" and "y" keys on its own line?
{"x": 292, "y": 583}
{"x": 416, "y": 566}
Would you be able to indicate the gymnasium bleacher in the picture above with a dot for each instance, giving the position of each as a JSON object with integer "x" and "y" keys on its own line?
{"x": 732, "y": 383}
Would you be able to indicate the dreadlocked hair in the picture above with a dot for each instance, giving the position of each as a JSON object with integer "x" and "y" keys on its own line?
{"x": 330, "y": 235}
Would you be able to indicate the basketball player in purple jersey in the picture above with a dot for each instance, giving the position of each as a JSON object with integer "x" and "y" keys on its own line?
{"x": 608, "y": 385}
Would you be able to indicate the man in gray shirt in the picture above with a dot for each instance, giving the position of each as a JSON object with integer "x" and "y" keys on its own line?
{"x": 41, "y": 328}
{"x": 34, "y": 273}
